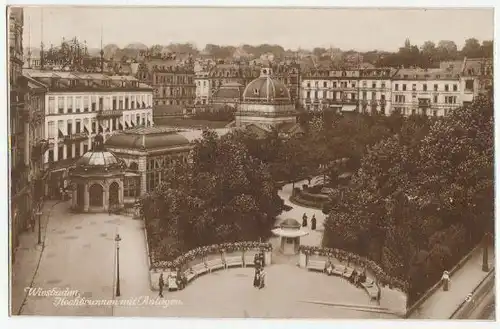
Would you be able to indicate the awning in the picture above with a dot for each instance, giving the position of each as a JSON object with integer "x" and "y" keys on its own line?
{"x": 287, "y": 233}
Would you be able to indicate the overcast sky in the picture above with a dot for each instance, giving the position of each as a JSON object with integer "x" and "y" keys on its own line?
{"x": 360, "y": 29}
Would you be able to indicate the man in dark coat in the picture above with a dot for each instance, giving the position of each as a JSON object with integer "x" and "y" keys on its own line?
{"x": 161, "y": 284}
{"x": 256, "y": 277}
{"x": 313, "y": 222}
{"x": 304, "y": 220}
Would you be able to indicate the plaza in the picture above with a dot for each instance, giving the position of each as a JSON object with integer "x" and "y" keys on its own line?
{"x": 79, "y": 254}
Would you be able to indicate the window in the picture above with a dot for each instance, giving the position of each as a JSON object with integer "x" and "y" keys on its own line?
{"x": 120, "y": 105}
{"x": 93, "y": 103}
{"x": 131, "y": 187}
{"x": 435, "y": 99}
{"x": 308, "y": 85}
{"x": 469, "y": 85}
{"x": 364, "y": 83}
{"x": 94, "y": 127}
{"x": 413, "y": 111}
{"x": 382, "y": 85}
{"x": 374, "y": 95}
{"x": 424, "y": 87}
{"x": 353, "y": 85}
{"x": 132, "y": 102}
{"x": 316, "y": 94}
{"x": 85, "y": 103}
{"x": 435, "y": 113}
{"x": 455, "y": 87}
{"x": 51, "y": 125}
{"x": 70, "y": 104}
{"x": 396, "y": 87}
{"x": 316, "y": 84}
{"x": 126, "y": 103}
{"x": 374, "y": 85}
{"x": 335, "y": 85}
{"x": 364, "y": 94}
{"x": 446, "y": 88}
{"x": 324, "y": 94}
{"x": 435, "y": 87}
{"x": 325, "y": 84}
{"x": 353, "y": 96}
{"x": 52, "y": 105}
{"x": 114, "y": 103}
{"x": 404, "y": 87}
{"x": 78, "y": 105}
{"x": 60, "y": 105}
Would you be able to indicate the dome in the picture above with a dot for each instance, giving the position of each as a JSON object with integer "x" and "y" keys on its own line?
{"x": 290, "y": 223}
{"x": 98, "y": 159}
{"x": 147, "y": 139}
{"x": 265, "y": 88}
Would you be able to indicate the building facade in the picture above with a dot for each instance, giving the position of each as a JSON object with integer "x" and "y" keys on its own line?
{"x": 79, "y": 106}
{"x": 173, "y": 83}
{"x": 331, "y": 90}
{"x": 20, "y": 207}
{"x": 433, "y": 92}
{"x": 375, "y": 91}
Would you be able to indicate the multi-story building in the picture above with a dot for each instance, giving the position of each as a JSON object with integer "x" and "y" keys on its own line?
{"x": 78, "y": 106}
{"x": 476, "y": 78}
{"x": 432, "y": 92}
{"x": 333, "y": 90}
{"x": 19, "y": 129}
{"x": 173, "y": 83}
{"x": 203, "y": 90}
{"x": 375, "y": 90}
{"x": 289, "y": 74}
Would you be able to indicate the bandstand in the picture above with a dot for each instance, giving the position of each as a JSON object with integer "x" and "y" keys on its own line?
{"x": 97, "y": 180}
{"x": 290, "y": 232}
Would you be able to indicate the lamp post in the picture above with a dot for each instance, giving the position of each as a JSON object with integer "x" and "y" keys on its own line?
{"x": 117, "y": 240}
{"x": 39, "y": 215}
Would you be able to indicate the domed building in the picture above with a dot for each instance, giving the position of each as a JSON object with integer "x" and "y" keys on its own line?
{"x": 266, "y": 103}
{"x": 97, "y": 179}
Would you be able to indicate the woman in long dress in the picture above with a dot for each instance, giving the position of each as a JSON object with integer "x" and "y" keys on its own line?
{"x": 262, "y": 278}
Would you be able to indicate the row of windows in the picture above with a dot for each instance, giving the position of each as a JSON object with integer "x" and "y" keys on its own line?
{"x": 424, "y": 87}
{"x": 413, "y": 111}
{"x": 447, "y": 99}
{"x": 335, "y": 95}
{"x": 345, "y": 84}
{"x": 173, "y": 102}
{"x": 73, "y": 151}
{"x": 77, "y": 104}
{"x": 64, "y": 127}
{"x": 173, "y": 79}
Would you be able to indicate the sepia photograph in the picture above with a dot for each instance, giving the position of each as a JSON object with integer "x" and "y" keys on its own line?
{"x": 251, "y": 162}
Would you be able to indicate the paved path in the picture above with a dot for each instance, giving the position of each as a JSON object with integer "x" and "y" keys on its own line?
{"x": 442, "y": 304}
{"x": 315, "y": 237}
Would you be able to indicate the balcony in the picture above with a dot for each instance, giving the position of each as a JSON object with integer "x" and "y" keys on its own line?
{"x": 76, "y": 137}
{"x": 342, "y": 101}
{"x": 109, "y": 114}
{"x": 266, "y": 114}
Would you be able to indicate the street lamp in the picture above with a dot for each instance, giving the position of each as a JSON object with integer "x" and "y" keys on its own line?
{"x": 117, "y": 240}
{"x": 39, "y": 215}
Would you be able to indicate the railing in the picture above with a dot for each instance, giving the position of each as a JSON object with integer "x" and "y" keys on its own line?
{"x": 266, "y": 115}
{"x": 109, "y": 113}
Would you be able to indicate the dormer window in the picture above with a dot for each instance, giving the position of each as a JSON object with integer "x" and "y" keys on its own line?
{"x": 256, "y": 91}
{"x": 344, "y": 73}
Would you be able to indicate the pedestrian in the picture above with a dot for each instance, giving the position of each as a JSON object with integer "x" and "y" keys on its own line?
{"x": 262, "y": 278}
{"x": 304, "y": 220}
{"x": 446, "y": 280}
{"x": 378, "y": 294}
{"x": 313, "y": 222}
{"x": 161, "y": 283}
{"x": 256, "y": 277}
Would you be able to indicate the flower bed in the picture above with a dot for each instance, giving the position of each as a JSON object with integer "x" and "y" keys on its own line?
{"x": 206, "y": 250}
{"x": 342, "y": 255}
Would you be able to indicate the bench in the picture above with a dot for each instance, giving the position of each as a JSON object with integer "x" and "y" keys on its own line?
{"x": 214, "y": 265}
{"x": 190, "y": 275}
{"x": 348, "y": 272}
{"x": 338, "y": 270}
{"x": 316, "y": 265}
{"x": 371, "y": 289}
{"x": 199, "y": 269}
{"x": 248, "y": 260}
{"x": 234, "y": 261}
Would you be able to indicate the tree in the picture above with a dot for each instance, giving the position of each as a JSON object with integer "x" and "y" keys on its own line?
{"x": 487, "y": 49}
{"x": 225, "y": 195}
{"x": 472, "y": 48}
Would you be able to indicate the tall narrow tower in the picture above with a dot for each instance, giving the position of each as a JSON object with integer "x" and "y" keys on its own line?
{"x": 42, "y": 55}
{"x": 102, "y": 54}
